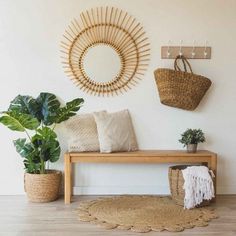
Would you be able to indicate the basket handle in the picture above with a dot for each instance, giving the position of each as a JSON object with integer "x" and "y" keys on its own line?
{"x": 185, "y": 63}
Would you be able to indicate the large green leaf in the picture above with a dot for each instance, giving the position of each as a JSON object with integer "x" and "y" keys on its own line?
{"x": 45, "y": 141}
{"x": 26, "y": 150}
{"x": 47, "y": 133}
{"x": 30, "y": 155}
{"x": 50, "y": 151}
{"x": 26, "y": 105}
{"x": 19, "y": 121}
{"x": 31, "y": 166}
{"x": 49, "y": 107}
{"x": 55, "y": 151}
{"x": 20, "y": 146}
{"x": 43, "y": 135}
{"x": 69, "y": 110}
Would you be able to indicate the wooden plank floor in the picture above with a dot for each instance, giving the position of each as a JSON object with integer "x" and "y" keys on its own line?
{"x": 21, "y": 218}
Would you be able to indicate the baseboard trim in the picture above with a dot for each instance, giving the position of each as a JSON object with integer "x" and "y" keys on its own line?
{"x": 226, "y": 190}
{"x": 117, "y": 190}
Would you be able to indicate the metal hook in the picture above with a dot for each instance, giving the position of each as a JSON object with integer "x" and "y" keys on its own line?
{"x": 193, "y": 49}
{"x": 205, "y": 50}
{"x": 168, "y": 49}
{"x": 180, "y": 48}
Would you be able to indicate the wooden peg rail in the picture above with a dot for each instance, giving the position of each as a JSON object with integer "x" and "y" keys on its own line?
{"x": 187, "y": 51}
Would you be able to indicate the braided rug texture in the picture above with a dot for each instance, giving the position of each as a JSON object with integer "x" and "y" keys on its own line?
{"x": 143, "y": 214}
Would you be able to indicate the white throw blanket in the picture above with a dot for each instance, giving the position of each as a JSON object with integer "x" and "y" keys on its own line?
{"x": 198, "y": 185}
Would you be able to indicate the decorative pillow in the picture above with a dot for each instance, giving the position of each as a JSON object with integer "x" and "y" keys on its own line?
{"x": 83, "y": 136}
{"x": 115, "y": 131}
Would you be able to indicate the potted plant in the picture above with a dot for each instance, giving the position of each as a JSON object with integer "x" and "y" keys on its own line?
{"x": 38, "y": 118}
{"x": 191, "y": 138}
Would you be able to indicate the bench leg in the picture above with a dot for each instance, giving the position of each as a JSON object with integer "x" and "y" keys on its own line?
{"x": 67, "y": 193}
{"x": 214, "y": 169}
{"x": 212, "y": 165}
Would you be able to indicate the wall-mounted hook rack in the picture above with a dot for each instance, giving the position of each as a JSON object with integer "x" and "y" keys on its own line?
{"x": 187, "y": 51}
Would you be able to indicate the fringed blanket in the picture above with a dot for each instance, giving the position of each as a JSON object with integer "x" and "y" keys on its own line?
{"x": 198, "y": 185}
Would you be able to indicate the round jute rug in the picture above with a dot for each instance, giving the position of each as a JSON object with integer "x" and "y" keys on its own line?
{"x": 143, "y": 214}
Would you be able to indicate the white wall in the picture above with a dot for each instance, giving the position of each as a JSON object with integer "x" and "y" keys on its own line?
{"x": 30, "y": 32}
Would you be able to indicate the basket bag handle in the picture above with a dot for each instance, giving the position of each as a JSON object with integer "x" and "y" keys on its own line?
{"x": 185, "y": 63}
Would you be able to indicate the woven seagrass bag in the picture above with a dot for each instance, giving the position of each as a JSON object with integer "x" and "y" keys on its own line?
{"x": 181, "y": 89}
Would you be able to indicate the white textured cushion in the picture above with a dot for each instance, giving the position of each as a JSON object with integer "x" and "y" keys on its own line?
{"x": 115, "y": 131}
{"x": 83, "y": 136}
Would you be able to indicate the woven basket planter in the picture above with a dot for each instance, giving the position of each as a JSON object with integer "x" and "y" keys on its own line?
{"x": 176, "y": 182}
{"x": 43, "y": 187}
{"x": 181, "y": 89}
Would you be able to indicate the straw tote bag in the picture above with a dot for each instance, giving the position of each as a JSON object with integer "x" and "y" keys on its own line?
{"x": 179, "y": 88}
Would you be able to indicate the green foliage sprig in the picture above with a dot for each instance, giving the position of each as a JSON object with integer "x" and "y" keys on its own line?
{"x": 39, "y": 115}
{"x": 192, "y": 136}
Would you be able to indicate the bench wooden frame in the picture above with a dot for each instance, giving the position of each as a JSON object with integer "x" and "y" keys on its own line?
{"x": 146, "y": 156}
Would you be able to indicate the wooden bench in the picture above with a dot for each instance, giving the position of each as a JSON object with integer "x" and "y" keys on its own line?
{"x": 146, "y": 156}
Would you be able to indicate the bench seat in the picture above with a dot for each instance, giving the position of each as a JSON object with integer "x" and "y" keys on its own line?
{"x": 203, "y": 157}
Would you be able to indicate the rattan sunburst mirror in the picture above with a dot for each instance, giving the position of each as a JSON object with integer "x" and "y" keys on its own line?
{"x": 107, "y": 27}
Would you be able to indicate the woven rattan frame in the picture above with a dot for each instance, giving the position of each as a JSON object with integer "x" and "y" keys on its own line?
{"x": 112, "y": 27}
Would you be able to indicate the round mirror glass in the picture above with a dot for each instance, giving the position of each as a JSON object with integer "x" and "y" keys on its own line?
{"x": 102, "y": 63}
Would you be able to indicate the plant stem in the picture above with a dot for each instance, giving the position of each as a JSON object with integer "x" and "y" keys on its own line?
{"x": 28, "y": 135}
{"x": 42, "y": 166}
{"x": 54, "y": 126}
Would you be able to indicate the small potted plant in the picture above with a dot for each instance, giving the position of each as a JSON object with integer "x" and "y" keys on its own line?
{"x": 38, "y": 118}
{"x": 191, "y": 138}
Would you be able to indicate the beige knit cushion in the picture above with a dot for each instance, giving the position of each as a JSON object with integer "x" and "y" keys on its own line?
{"x": 83, "y": 136}
{"x": 115, "y": 131}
